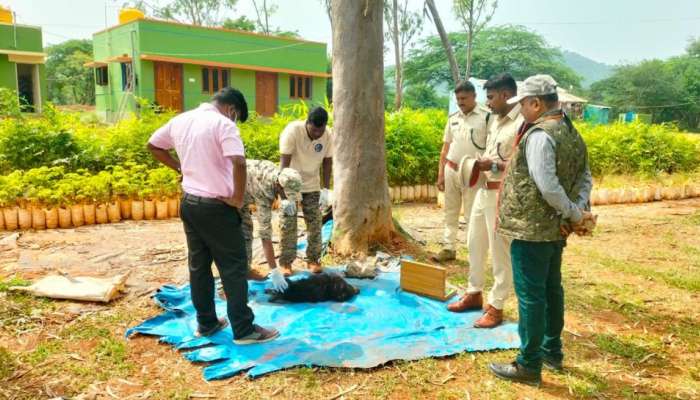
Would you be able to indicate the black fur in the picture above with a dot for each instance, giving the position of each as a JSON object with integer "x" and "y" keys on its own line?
{"x": 315, "y": 288}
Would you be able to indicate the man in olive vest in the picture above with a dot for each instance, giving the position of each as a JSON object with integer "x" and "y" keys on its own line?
{"x": 545, "y": 196}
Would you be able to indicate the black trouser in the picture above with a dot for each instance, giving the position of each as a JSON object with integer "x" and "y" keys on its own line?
{"x": 213, "y": 231}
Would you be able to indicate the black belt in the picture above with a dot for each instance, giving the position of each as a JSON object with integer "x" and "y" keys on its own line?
{"x": 201, "y": 200}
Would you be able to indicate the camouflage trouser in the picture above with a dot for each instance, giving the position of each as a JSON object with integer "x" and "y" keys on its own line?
{"x": 312, "y": 216}
{"x": 247, "y": 227}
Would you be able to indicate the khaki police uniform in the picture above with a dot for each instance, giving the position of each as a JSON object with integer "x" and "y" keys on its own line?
{"x": 466, "y": 134}
{"x": 482, "y": 235}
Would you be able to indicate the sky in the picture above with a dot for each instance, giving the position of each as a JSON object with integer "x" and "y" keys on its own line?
{"x": 609, "y": 31}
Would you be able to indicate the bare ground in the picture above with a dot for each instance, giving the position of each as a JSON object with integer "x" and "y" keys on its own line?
{"x": 631, "y": 328}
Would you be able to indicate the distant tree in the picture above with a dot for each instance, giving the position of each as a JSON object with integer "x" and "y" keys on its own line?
{"x": 668, "y": 90}
{"x": 694, "y": 47}
{"x": 69, "y": 82}
{"x": 196, "y": 12}
{"x": 403, "y": 24}
{"x": 422, "y": 95}
{"x": 263, "y": 11}
{"x": 474, "y": 15}
{"x": 431, "y": 11}
{"x": 508, "y": 48}
{"x": 327, "y": 5}
{"x": 241, "y": 23}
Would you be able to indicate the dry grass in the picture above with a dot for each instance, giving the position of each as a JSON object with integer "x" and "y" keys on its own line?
{"x": 631, "y": 332}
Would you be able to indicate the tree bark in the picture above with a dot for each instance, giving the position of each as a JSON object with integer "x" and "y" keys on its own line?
{"x": 470, "y": 44}
{"x": 362, "y": 209}
{"x": 397, "y": 54}
{"x": 454, "y": 68}
{"x": 470, "y": 41}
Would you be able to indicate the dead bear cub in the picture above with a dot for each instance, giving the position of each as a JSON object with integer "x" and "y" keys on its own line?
{"x": 314, "y": 289}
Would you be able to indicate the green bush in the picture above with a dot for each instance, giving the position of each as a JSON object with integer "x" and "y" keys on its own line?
{"x": 9, "y": 104}
{"x": 639, "y": 148}
{"x": 82, "y": 148}
{"x": 163, "y": 181}
{"x": 413, "y": 142}
{"x": 34, "y": 142}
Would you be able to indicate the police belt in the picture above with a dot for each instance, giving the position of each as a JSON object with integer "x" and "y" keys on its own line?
{"x": 493, "y": 185}
{"x": 452, "y": 165}
{"x": 192, "y": 199}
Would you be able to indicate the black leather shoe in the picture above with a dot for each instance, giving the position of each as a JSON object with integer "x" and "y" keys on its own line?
{"x": 516, "y": 373}
{"x": 551, "y": 363}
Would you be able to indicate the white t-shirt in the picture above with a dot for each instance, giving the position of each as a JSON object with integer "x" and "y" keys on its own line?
{"x": 307, "y": 155}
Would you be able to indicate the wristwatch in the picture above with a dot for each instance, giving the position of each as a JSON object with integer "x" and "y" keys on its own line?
{"x": 494, "y": 167}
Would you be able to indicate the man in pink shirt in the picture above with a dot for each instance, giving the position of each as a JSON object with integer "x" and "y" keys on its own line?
{"x": 211, "y": 159}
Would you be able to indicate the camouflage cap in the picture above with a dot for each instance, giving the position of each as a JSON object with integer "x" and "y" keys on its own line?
{"x": 290, "y": 180}
{"x": 536, "y": 85}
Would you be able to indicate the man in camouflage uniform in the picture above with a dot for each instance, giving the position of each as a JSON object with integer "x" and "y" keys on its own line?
{"x": 465, "y": 136}
{"x": 544, "y": 197}
{"x": 265, "y": 183}
{"x": 307, "y": 147}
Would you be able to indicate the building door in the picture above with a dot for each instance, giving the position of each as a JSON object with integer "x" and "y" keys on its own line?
{"x": 28, "y": 88}
{"x": 169, "y": 85}
{"x": 265, "y": 93}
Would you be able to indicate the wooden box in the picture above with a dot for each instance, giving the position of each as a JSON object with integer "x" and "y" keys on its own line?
{"x": 425, "y": 280}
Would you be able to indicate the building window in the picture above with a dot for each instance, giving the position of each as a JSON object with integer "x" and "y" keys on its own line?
{"x": 126, "y": 76}
{"x": 101, "y": 76}
{"x": 299, "y": 87}
{"x": 214, "y": 79}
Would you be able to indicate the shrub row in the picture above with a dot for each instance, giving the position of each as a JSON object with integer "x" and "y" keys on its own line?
{"x": 413, "y": 141}
{"x": 639, "y": 148}
{"x": 53, "y": 186}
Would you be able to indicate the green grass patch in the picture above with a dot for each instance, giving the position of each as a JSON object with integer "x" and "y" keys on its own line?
{"x": 5, "y": 284}
{"x": 677, "y": 278}
{"x": 585, "y": 384}
{"x": 42, "y": 352}
{"x": 7, "y": 363}
{"x": 632, "y": 348}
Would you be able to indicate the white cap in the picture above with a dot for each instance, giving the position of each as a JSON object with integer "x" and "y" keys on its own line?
{"x": 536, "y": 85}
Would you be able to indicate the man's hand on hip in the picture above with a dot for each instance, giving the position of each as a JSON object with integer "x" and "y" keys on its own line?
{"x": 234, "y": 201}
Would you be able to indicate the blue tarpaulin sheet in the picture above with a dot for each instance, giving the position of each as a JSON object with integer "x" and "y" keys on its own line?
{"x": 380, "y": 324}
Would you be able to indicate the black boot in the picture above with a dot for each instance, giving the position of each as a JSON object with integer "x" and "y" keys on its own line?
{"x": 553, "y": 364}
{"x": 516, "y": 373}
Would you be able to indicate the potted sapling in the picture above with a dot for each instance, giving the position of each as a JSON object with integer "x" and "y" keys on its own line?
{"x": 137, "y": 178}
{"x": 88, "y": 193}
{"x": 102, "y": 196}
{"x": 64, "y": 194}
{"x": 73, "y": 184}
{"x": 10, "y": 191}
{"x": 160, "y": 180}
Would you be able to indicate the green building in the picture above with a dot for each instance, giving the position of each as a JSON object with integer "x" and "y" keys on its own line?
{"x": 179, "y": 66}
{"x": 22, "y": 63}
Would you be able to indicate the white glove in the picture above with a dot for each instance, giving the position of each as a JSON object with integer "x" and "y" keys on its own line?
{"x": 289, "y": 208}
{"x": 279, "y": 284}
{"x": 325, "y": 200}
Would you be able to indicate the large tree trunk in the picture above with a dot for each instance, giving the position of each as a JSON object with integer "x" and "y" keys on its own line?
{"x": 454, "y": 68}
{"x": 362, "y": 209}
{"x": 398, "y": 74}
